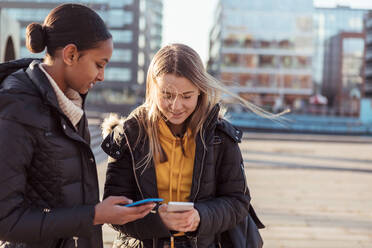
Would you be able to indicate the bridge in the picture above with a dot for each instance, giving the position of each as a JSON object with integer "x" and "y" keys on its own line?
{"x": 296, "y": 123}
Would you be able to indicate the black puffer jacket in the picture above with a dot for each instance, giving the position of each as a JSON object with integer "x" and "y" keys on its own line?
{"x": 219, "y": 189}
{"x": 48, "y": 178}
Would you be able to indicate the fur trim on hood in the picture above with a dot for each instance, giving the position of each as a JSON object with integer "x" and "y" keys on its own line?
{"x": 113, "y": 122}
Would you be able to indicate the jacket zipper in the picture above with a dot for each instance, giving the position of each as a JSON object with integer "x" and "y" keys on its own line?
{"x": 245, "y": 179}
{"x": 133, "y": 165}
{"x": 202, "y": 165}
{"x": 195, "y": 239}
{"x": 76, "y": 241}
{"x": 200, "y": 176}
{"x": 45, "y": 211}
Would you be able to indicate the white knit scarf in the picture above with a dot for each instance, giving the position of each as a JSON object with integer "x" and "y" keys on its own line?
{"x": 70, "y": 103}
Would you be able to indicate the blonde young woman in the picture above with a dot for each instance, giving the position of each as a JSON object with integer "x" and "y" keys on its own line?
{"x": 177, "y": 146}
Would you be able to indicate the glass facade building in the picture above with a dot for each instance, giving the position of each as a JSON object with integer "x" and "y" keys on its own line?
{"x": 128, "y": 21}
{"x": 368, "y": 56}
{"x": 150, "y": 36}
{"x": 262, "y": 50}
{"x": 327, "y": 23}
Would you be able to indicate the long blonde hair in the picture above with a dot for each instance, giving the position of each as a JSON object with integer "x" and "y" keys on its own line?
{"x": 181, "y": 61}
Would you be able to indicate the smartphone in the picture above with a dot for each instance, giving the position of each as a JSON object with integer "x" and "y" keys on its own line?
{"x": 141, "y": 202}
{"x": 180, "y": 206}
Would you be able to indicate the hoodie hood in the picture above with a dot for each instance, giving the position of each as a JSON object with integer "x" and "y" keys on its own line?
{"x": 174, "y": 176}
{"x": 113, "y": 121}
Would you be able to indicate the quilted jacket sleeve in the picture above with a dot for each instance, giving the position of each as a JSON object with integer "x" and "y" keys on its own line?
{"x": 18, "y": 222}
{"x": 120, "y": 181}
{"x": 231, "y": 204}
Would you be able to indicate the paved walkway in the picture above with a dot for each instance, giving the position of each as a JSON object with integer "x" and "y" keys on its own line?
{"x": 311, "y": 194}
{"x": 108, "y": 233}
{"x": 308, "y": 193}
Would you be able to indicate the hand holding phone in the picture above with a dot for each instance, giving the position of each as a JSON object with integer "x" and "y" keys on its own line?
{"x": 179, "y": 216}
{"x": 179, "y": 206}
{"x": 110, "y": 211}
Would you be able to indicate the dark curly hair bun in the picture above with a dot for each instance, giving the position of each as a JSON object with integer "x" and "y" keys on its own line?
{"x": 35, "y": 38}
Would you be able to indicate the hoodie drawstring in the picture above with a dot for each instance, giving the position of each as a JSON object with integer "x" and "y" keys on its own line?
{"x": 179, "y": 181}
{"x": 180, "y": 172}
{"x": 171, "y": 171}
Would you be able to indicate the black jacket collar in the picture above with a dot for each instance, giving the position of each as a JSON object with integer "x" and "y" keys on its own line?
{"x": 38, "y": 78}
{"x": 9, "y": 67}
{"x": 215, "y": 122}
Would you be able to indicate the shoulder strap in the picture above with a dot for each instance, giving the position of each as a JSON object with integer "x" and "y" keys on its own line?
{"x": 217, "y": 144}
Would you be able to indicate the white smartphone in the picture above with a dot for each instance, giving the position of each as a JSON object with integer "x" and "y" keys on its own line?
{"x": 180, "y": 206}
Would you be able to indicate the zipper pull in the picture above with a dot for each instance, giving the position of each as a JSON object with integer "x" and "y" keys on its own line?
{"x": 76, "y": 241}
{"x": 172, "y": 241}
{"x": 46, "y": 210}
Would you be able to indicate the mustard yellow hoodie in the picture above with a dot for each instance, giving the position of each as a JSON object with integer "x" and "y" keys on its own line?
{"x": 174, "y": 177}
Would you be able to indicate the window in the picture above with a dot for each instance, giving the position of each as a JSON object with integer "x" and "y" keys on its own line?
{"x": 118, "y": 74}
{"x": 124, "y": 36}
{"x": 288, "y": 79}
{"x": 267, "y": 61}
{"x": 303, "y": 62}
{"x": 231, "y": 59}
{"x": 250, "y": 60}
{"x": 119, "y": 18}
{"x": 286, "y": 61}
{"x": 227, "y": 78}
{"x": 231, "y": 42}
{"x": 119, "y": 4}
{"x": 142, "y": 23}
{"x": 29, "y": 15}
{"x": 245, "y": 80}
{"x": 121, "y": 55}
{"x": 264, "y": 80}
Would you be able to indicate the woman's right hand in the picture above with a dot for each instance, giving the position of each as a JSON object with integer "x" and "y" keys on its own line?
{"x": 109, "y": 211}
{"x": 187, "y": 221}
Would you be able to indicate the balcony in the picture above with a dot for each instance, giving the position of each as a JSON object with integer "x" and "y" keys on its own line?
{"x": 271, "y": 90}
{"x": 278, "y": 71}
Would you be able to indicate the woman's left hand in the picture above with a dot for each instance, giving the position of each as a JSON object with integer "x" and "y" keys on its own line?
{"x": 187, "y": 221}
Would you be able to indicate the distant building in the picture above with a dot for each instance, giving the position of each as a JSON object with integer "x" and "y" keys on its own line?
{"x": 366, "y": 102}
{"x": 9, "y": 37}
{"x": 150, "y": 35}
{"x": 329, "y": 22}
{"x": 343, "y": 72}
{"x": 262, "y": 50}
{"x": 368, "y": 57}
{"x": 136, "y": 27}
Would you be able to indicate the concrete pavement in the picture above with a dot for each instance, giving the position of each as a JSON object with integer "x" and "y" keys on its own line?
{"x": 311, "y": 194}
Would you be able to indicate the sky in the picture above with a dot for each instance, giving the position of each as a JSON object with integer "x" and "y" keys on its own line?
{"x": 190, "y": 21}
